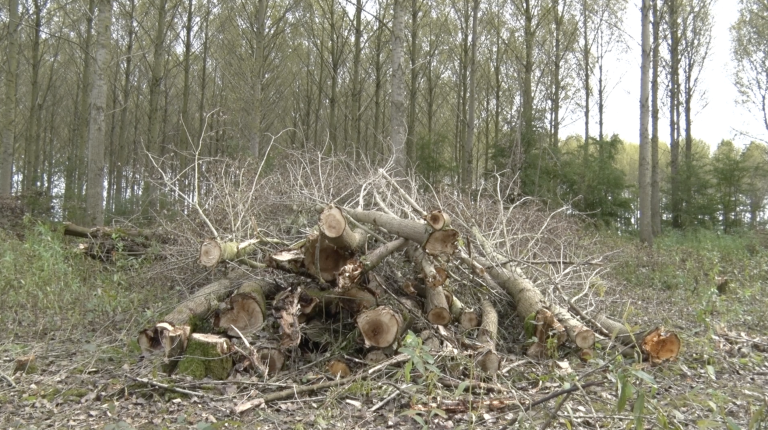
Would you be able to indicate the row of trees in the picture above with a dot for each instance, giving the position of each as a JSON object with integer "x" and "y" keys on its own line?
{"x": 456, "y": 89}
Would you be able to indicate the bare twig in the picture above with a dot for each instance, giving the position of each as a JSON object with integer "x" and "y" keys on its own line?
{"x": 169, "y": 387}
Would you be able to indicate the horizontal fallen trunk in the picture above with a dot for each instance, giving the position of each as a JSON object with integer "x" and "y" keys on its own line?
{"x": 214, "y": 251}
{"x": 71, "y": 229}
{"x": 434, "y": 242}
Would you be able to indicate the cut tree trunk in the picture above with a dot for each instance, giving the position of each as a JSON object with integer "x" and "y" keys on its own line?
{"x": 214, "y": 251}
{"x": 206, "y": 355}
{"x": 333, "y": 225}
{"x": 438, "y": 220}
{"x": 201, "y": 303}
{"x": 380, "y": 327}
{"x": 245, "y": 310}
{"x": 71, "y": 229}
{"x": 322, "y": 259}
{"x": 487, "y": 359}
{"x": 436, "y": 304}
{"x": 441, "y": 242}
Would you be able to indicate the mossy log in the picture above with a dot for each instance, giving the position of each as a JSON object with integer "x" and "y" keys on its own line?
{"x": 201, "y": 302}
{"x": 207, "y": 355}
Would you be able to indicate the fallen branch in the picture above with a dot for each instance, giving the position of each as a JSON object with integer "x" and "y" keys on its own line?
{"x": 296, "y": 390}
{"x": 171, "y": 387}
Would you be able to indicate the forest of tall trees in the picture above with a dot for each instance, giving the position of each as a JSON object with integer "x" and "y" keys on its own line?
{"x": 99, "y": 94}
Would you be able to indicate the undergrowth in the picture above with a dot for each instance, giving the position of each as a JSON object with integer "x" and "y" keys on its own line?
{"x": 47, "y": 283}
{"x": 684, "y": 270}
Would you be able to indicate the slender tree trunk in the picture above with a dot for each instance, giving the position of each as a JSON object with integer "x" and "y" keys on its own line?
{"x": 655, "y": 181}
{"x": 185, "y": 119}
{"x": 9, "y": 105}
{"x": 32, "y": 144}
{"x": 469, "y": 143}
{"x": 413, "y": 91}
{"x": 646, "y": 232}
{"x": 122, "y": 137}
{"x": 155, "y": 86}
{"x": 97, "y": 121}
{"x": 587, "y": 73}
{"x": 356, "y": 85}
{"x": 397, "y": 114}
{"x": 674, "y": 115}
{"x": 203, "y": 80}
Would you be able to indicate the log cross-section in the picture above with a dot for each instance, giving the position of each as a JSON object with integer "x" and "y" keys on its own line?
{"x": 379, "y": 327}
{"x": 336, "y": 230}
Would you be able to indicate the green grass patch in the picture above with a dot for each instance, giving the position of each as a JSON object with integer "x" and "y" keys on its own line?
{"x": 685, "y": 268}
{"x": 48, "y": 283}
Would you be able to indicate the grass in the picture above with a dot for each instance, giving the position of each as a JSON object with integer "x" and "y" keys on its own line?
{"x": 682, "y": 273}
{"x": 48, "y": 284}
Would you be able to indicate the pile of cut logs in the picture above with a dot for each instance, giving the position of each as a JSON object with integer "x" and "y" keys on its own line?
{"x": 226, "y": 326}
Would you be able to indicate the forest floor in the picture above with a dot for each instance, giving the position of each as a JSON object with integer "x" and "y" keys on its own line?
{"x": 80, "y": 319}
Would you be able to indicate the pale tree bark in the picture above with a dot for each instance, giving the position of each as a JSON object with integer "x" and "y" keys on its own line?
{"x": 149, "y": 191}
{"x": 413, "y": 90}
{"x": 97, "y": 121}
{"x": 397, "y": 116}
{"x": 32, "y": 144}
{"x": 674, "y": 113}
{"x": 356, "y": 84}
{"x": 646, "y": 233}
{"x": 122, "y": 134}
{"x": 587, "y": 70}
{"x": 9, "y": 104}
{"x": 655, "y": 181}
{"x": 696, "y": 42}
{"x": 469, "y": 142}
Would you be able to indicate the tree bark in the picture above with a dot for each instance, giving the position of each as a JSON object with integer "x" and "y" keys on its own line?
{"x": 97, "y": 122}
{"x": 646, "y": 231}
{"x": 9, "y": 104}
{"x": 467, "y": 159}
{"x": 397, "y": 113}
{"x": 655, "y": 181}
{"x": 488, "y": 360}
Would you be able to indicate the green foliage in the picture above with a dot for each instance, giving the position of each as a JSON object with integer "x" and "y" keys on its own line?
{"x": 595, "y": 185}
{"x": 47, "y": 281}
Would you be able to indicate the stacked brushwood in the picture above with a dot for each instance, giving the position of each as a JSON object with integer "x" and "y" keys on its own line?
{"x": 245, "y": 323}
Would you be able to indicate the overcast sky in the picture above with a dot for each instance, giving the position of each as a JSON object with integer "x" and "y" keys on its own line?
{"x": 718, "y": 116}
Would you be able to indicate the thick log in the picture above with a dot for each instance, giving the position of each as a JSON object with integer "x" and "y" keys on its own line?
{"x": 438, "y": 220}
{"x": 206, "y": 355}
{"x": 661, "y": 346}
{"x": 375, "y": 257}
{"x": 333, "y": 225}
{"x": 202, "y": 302}
{"x": 71, "y": 229}
{"x": 434, "y": 242}
{"x": 488, "y": 360}
{"x": 214, "y": 251}
{"x": 380, "y": 326}
{"x": 436, "y": 304}
{"x": 322, "y": 259}
{"x": 245, "y": 310}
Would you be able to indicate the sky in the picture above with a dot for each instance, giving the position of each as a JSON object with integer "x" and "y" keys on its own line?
{"x": 718, "y": 115}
